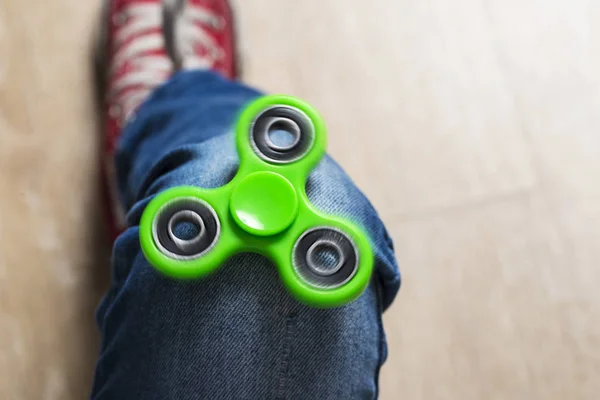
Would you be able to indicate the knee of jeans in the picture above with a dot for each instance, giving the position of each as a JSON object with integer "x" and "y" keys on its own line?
{"x": 213, "y": 163}
{"x": 210, "y": 164}
{"x": 330, "y": 190}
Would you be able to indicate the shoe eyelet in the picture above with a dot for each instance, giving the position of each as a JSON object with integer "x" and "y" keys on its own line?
{"x": 218, "y": 23}
{"x": 120, "y": 18}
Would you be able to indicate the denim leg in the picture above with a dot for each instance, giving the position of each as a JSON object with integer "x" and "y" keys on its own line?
{"x": 237, "y": 334}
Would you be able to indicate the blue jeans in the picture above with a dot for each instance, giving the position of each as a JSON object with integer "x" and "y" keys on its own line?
{"x": 237, "y": 334}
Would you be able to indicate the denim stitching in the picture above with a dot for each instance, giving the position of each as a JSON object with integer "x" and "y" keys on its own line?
{"x": 284, "y": 363}
{"x": 382, "y": 344}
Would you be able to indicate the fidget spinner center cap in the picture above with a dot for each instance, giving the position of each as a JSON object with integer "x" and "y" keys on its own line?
{"x": 264, "y": 203}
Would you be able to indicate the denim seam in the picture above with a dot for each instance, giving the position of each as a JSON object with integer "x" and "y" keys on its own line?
{"x": 284, "y": 363}
{"x": 380, "y": 361}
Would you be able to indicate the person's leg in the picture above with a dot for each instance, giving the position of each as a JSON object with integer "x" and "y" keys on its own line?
{"x": 237, "y": 334}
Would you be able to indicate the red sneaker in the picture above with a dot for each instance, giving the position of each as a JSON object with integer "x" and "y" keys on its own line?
{"x": 141, "y": 43}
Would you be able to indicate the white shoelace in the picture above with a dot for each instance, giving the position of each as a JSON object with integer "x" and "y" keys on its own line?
{"x": 148, "y": 71}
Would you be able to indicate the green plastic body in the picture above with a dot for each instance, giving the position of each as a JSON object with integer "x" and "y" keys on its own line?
{"x": 264, "y": 209}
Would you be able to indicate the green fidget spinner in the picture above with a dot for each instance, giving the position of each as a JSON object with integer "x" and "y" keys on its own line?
{"x": 324, "y": 260}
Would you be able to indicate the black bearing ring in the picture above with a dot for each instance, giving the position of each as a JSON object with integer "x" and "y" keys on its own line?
{"x": 286, "y": 118}
{"x": 190, "y": 210}
{"x": 330, "y": 278}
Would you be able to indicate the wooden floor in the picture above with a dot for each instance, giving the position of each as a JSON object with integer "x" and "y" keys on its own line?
{"x": 473, "y": 125}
